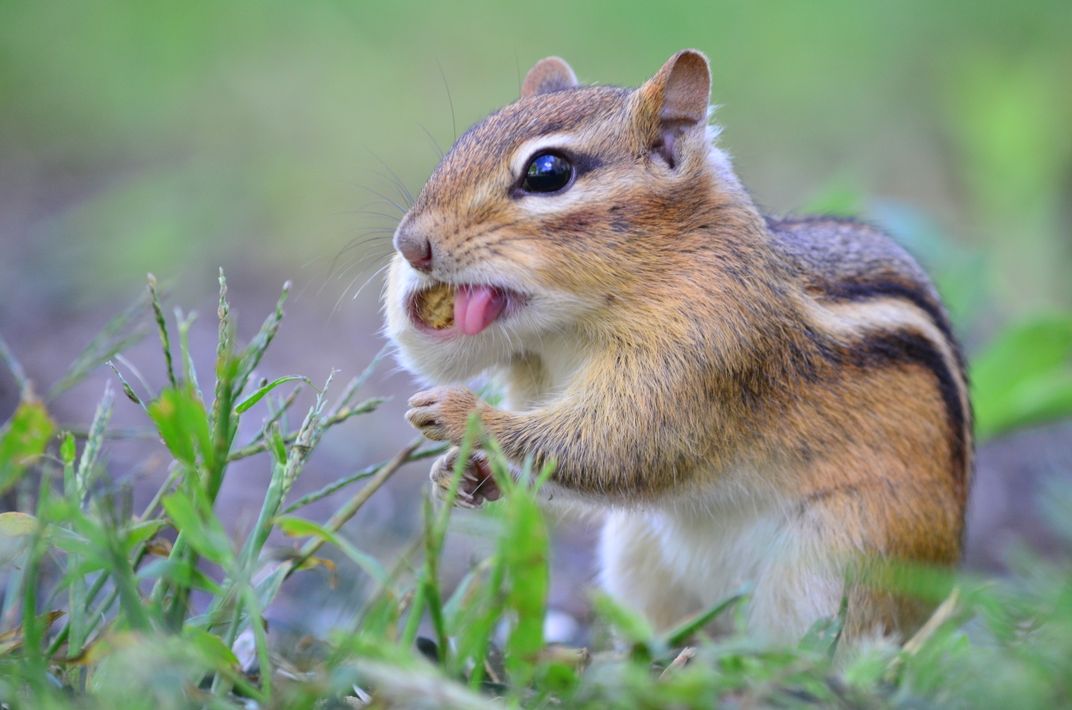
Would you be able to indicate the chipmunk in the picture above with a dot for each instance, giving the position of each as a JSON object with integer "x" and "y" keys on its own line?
{"x": 751, "y": 400}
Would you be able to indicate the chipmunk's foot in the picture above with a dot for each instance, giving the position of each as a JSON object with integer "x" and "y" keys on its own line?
{"x": 477, "y": 485}
{"x": 442, "y": 413}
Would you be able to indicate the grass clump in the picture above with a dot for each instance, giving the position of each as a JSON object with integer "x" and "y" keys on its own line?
{"x": 104, "y": 606}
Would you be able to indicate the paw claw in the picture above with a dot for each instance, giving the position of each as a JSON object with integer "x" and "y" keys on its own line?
{"x": 441, "y": 414}
{"x": 476, "y": 487}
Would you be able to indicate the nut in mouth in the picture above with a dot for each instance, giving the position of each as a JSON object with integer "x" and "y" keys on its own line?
{"x": 464, "y": 308}
{"x": 434, "y": 306}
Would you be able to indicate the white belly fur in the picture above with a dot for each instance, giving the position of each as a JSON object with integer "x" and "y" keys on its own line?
{"x": 675, "y": 561}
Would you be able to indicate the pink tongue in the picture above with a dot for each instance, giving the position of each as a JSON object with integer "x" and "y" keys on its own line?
{"x": 477, "y": 307}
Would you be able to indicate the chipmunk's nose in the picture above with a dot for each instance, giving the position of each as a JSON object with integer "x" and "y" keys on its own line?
{"x": 414, "y": 248}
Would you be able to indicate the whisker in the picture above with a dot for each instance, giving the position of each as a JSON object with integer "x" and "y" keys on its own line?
{"x": 517, "y": 68}
{"x": 407, "y": 197}
{"x": 393, "y": 218}
{"x": 359, "y": 266}
{"x": 376, "y": 273}
{"x": 349, "y": 286}
{"x": 386, "y": 199}
{"x": 450, "y": 100}
{"x": 361, "y": 240}
{"x": 335, "y": 273}
{"x": 435, "y": 143}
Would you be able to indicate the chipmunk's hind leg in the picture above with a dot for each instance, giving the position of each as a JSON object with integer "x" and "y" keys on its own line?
{"x": 636, "y": 575}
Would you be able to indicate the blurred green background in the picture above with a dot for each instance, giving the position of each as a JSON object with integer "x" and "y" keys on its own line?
{"x": 173, "y": 137}
{"x": 266, "y": 137}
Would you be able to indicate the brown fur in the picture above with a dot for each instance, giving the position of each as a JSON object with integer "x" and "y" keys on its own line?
{"x": 813, "y": 353}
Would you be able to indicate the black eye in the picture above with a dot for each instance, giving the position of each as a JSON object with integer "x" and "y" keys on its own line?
{"x": 547, "y": 172}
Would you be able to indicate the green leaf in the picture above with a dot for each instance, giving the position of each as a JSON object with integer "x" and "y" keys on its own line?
{"x": 83, "y": 475}
{"x": 300, "y": 527}
{"x": 632, "y": 627}
{"x": 524, "y": 549}
{"x": 22, "y": 439}
{"x": 838, "y": 197}
{"x": 251, "y": 356}
{"x": 1024, "y": 377}
{"x": 141, "y": 532}
{"x": 680, "y": 634}
{"x": 181, "y": 419}
{"x": 825, "y": 634}
{"x": 16, "y": 533}
{"x": 257, "y": 396}
{"x": 182, "y": 573}
{"x": 68, "y": 449}
{"x": 211, "y": 649}
{"x": 117, "y": 335}
{"x": 199, "y": 527}
{"x": 17, "y": 524}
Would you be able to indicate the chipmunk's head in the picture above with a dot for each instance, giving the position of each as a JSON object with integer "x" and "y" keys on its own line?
{"x": 549, "y": 211}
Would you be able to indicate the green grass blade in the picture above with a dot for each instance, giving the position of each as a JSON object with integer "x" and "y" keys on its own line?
{"x": 162, "y": 330}
{"x": 333, "y": 487}
{"x": 16, "y": 369}
{"x": 23, "y": 439}
{"x": 681, "y": 633}
{"x": 251, "y": 356}
{"x": 261, "y": 392}
{"x": 189, "y": 371}
{"x": 87, "y": 464}
{"x": 117, "y": 335}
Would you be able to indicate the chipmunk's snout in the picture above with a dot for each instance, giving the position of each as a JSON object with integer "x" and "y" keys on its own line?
{"x": 414, "y": 248}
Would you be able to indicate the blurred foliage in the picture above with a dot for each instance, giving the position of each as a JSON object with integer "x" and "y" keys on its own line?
{"x": 172, "y": 137}
{"x": 141, "y": 136}
{"x": 1024, "y": 376}
{"x": 99, "y": 611}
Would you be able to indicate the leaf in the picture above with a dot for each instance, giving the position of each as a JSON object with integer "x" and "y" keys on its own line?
{"x": 329, "y": 566}
{"x": 257, "y": 396}
{"x": 158, "y": 547}
{"x": 117, "y": 335}
{"x": 68, "y": 449}
{"x": 182, "y": 573}
{"x": 839, "y": 197}
{"x": 16, "y": 532}
{"x": 633, "y": 627}
{"x": 181, "y": 419}
{"x": 12, "y": 639}
{"x": 211, "y": 649}
{"x": 22, "y": 439}
{"x": 277, "y": 445}
{"x": 825, "y": 634}
{"x": 680, "y": 635}
{"x": 105, "y": 645}
{"x": 17, "y": 524}
{"x": 141, "y": 532}
{"x": 199, "y": 527}
{"x": 251, "y": 356}
{"x": 524, "y": 548}
{"x": 1024, "y": 376}
{"x": 299, "y": 527}
{"x": 83, "y": 475}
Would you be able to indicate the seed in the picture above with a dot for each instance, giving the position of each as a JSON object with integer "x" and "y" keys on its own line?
{"x": 435, "y": 306}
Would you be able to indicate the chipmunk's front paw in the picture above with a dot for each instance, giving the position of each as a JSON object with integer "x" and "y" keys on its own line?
{"x": 477, "y": 485}
{"x": 442, "y": 413}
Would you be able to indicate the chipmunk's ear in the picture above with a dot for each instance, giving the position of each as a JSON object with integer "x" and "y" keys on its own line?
{"x": 550, "y": 74}
{"x": 674, "y": 101}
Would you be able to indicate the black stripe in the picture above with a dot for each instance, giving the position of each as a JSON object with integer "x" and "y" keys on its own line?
{"x": 907, "y": 347}
{"x": 856, "y": 291}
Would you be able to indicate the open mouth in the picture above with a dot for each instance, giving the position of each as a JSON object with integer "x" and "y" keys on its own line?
{"x": 467, "y": 308}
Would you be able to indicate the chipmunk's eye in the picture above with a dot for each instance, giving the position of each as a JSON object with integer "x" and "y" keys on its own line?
{"x": 547, "y": 172}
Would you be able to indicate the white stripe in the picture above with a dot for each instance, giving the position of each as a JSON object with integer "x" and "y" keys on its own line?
{"x": 854, "y": 321}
